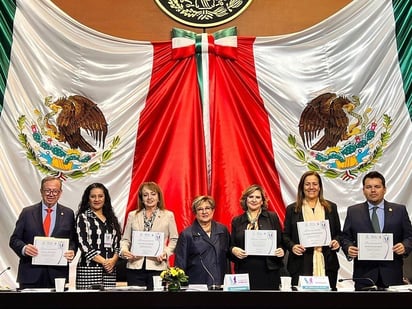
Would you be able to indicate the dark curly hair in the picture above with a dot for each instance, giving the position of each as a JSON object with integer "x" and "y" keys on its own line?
{"x": 108, "y": 212}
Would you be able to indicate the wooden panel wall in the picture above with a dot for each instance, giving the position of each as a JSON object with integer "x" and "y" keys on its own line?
{"x": 144, "y": 20}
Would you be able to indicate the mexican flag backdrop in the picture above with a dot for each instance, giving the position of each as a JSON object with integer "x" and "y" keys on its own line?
{"x": 202, "y": 113}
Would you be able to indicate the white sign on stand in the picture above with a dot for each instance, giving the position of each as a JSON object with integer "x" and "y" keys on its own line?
{"x": 313, "y": 283}
{"x": 236, "y": 282}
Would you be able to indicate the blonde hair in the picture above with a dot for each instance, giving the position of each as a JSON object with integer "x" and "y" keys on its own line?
{"x": 200, "y": 199}
{"x": 248, "y": 191}
{"x": 153, "y": 187}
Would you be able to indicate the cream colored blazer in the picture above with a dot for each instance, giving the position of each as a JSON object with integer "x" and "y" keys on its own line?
{"x": 164, "y": 222}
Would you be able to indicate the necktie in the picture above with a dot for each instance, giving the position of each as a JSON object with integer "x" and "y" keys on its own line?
{"x": 375, "y": 220}
{"x": 47, "y": 222}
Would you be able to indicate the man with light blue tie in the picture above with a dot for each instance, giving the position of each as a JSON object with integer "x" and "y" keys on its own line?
{"x": 376, "y": 215}
{"x": 35, "y": 221}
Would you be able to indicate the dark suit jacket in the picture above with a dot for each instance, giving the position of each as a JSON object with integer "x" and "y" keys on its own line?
{"x": 268, "y": 220}
{"x": 290, "y": 237}
{"x": 396, "y": 222}
{"x": 29, "y": 225}
{"x": 205, "y": 260}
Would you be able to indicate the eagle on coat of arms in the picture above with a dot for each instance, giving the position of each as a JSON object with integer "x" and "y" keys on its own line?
{"x": 338, "y": 141}
{"x": 60, "y": 140}
{"x": 74, "y": 114}
{"x": 327, "y": 114}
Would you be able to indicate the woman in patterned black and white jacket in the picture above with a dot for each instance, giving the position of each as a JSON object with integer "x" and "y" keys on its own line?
{"x": 99, "y": 235}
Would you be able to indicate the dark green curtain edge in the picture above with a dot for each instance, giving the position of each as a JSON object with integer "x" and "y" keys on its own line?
{"x": 7, "y": 11}
{"x": 403, "y": 18}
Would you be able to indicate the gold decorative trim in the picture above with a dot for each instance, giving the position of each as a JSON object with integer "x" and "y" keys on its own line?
{"x": 203, "y": 13}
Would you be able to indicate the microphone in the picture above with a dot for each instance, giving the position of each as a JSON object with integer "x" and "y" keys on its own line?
{"x": 4, "y": 270}
{"x": 371, "y": 287}
{"x": 4, "y": 288}
{"x": 214, "y": 286}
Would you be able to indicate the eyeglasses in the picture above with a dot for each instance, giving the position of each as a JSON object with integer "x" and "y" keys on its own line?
{"x": 206, "y": 209}
{"x": 51, "y": 192}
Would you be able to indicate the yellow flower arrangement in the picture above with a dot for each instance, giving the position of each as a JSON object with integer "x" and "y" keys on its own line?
{"x": 173, "y": 278}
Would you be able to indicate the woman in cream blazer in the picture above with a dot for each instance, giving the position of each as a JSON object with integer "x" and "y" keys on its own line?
{"x": 150, "y": 216}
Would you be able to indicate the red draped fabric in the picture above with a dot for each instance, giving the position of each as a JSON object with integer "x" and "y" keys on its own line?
{"x": 170, "y": 145}
{"x": 242, "y": 152}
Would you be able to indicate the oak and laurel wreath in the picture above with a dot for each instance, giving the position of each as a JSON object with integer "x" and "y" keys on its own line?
{"x": 332, "y": 173}
{"x": 31, "y": 155}
{"x": 202, "y": 14}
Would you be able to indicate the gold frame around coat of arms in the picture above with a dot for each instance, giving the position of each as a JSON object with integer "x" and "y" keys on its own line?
{"x": 203, "y": 13}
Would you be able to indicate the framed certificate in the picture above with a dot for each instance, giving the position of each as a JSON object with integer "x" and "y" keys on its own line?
{"x": 314, "y": 233}
{"x": 375, "y": 246}
{"x": 260, "y": 242}
{"x": 51, "y": 251}
{"x": 147, "y": 243}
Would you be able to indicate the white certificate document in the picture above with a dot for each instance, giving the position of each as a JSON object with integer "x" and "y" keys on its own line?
{"x": 51, "y": 251}
{"x": 314, "y": 233}
{"x": 375, "y": 246}
{"x": 147, "y": 243}
{"x": 260, "y": 242}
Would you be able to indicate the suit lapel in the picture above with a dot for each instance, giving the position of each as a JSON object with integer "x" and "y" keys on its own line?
{"x": 59, "y": 218}
{"x": 388, "y": 214}
{"x": 38, "y": 219}
{"x": 365, "y": 213}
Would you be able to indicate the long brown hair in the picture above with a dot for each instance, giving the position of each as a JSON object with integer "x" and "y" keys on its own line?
{"x": 301, "y": 193}
{"x": 108, "y": 211}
